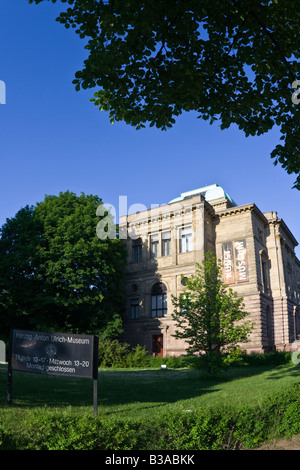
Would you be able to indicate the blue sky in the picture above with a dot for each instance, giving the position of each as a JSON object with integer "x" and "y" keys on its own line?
{"x": 54, "y": 139}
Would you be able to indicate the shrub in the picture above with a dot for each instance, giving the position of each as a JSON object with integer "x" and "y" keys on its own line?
{"x": 47, "y": 430}
{"x": 138, "y": 357}
{"x": 209, "y": 429}
{"x": 113, "y": 353}
{"x": 3, "y": 435}
{"x": 272, "y": 358}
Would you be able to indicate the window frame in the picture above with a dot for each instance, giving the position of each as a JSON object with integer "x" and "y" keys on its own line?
{"x": 159, "y": 301}
{"x": 134, "y": 304}
{"x": 154, "y": 245}
{"x": 186, "y": 239}
{"x": 166, "y": 242}
{"x": 136, "y": 250}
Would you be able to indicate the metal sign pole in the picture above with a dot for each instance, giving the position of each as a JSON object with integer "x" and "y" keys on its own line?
{"x": 95, "y": 374}
{"x": 9, "y": 386}
{"x": 9, "y": 372}
{"x": 95, "y": 399}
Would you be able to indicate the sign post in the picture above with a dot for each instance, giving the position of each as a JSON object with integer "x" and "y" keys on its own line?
{"x": 95, "y": 374}
{"x": 65, "y": 354}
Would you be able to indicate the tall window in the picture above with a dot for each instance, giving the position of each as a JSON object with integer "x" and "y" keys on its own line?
{"x": 136, "y": 250}
{"x": 159, "y": 300}
{"x": 265, "y": 275}
{"x": 264, "y": 271}
{"x": 166, "y": 243}
{"x": 154, "y": 245}
{"x": 134, "y": 308}
{"x": 269, "y": 327}
{"x": 185, "y": 239}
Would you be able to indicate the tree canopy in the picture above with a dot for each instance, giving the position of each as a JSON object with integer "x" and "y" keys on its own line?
{"x": 231, "y": 61}
{"x": 55, "y": 273}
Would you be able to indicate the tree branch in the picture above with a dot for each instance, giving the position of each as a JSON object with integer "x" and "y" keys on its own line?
{"x": 274, "y": 41}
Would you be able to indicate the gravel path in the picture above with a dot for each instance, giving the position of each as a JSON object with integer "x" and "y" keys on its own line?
{"x": 282, "y": 444}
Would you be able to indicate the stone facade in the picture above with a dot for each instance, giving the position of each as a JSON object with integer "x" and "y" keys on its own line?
{"x": 258, "y": 259}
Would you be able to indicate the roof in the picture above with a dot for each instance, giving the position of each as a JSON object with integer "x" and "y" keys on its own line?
{"x": 210, "y": 193}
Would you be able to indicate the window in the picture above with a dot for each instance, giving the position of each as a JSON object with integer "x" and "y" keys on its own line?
{"x": 265, "y": 275}
{"x": 269, "y": 327}
{"x": 296, "y": 321}
{"x": 166, "y": 244}
{"x": 136, "y": 250}
{"x": 264, "y": 271}
{"x": 184, "y": 280}
{"x": 154, "y": 246}
{"x": 185, "y": 239}
{"x": 159, "y": 300}
{"x": 134, "y": 308}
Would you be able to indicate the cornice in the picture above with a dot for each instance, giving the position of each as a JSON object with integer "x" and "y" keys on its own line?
{"x": 167, "y": 211}
{"x": 281, "y": 224}
{"x": 241, "y": 209}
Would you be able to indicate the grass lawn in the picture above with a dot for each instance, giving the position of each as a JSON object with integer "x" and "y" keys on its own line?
{"x": 141, "y": 394}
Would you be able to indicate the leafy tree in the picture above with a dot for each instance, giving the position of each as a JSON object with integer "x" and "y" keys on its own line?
{"x": 19, "y": 288}
{"x": 55, "y": 273}
{"x": 209, "y": 316}
{"x": 235, "y": 61}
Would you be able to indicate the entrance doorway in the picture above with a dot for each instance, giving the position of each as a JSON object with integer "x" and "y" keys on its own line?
{"x": 157, "y": 345}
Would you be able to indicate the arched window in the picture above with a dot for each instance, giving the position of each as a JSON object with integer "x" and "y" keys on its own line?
{"x": 159, "y": 300}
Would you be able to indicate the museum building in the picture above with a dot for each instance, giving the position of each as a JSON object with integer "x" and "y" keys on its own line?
{"x": 257, "y": 251}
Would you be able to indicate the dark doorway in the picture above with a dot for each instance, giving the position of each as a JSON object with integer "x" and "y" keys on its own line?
{"x": 157, "y": 345}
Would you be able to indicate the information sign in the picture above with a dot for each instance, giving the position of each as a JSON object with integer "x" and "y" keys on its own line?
{"x": 65, "y": 354}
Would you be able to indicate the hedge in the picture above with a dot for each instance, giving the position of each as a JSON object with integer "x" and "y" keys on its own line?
{"x": 210, "y": 429}
{"x": 115, "y": 354}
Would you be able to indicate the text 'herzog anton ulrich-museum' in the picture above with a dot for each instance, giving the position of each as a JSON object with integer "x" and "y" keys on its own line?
{"x": 257, "y": 251}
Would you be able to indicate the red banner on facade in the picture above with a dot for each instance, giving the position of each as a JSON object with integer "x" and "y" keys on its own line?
{"x": 235, "y": 262}
{"x": 228, "y": 264}
{"x": 241, "y": 261}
